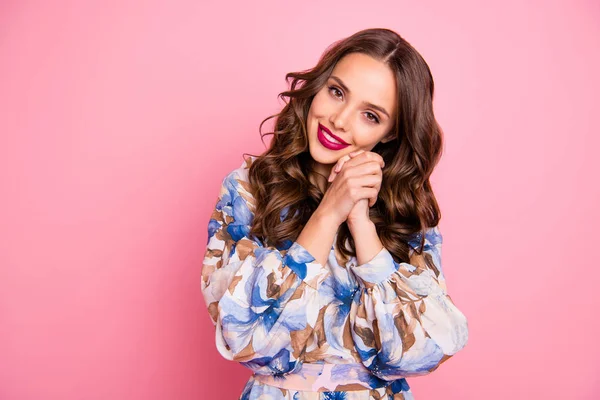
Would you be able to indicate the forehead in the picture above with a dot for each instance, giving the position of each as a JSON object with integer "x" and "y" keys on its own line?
{"x": 368, "y": 79}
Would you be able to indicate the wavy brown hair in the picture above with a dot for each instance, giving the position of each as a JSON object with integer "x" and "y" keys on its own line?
{"x": 406, "y": 205}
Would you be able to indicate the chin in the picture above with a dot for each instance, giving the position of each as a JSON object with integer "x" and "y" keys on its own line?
{"x": 321, "y": 158}
{"x": 322, "y": 155}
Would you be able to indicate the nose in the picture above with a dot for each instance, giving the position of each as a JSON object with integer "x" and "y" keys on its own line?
{"x": 340, "y": 118}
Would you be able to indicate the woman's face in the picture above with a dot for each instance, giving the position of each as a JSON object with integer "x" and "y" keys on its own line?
{"x": 357, "y": 105}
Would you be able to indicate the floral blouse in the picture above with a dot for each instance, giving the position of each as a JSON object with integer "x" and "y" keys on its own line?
{"x": 308, "y": 330}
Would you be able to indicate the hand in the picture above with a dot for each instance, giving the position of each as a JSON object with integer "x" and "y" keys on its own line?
{"x": 365, "y": 167}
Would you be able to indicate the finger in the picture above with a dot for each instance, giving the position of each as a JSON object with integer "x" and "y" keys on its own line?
{"x": 355, "y": 153}
{"x": 370, "y": 181}
{"x": 372, "y": 202}
{"x": 368, "y": 168}
{"x": 373, "y": 199}
{"x": 364, "y": 157}
{"x": 337, "y": 168}
{"x": 365, "y": 193}
{"x": 334, "y": 171}
{"x": 341, "y": 163}
{"x": 365, "y": 181}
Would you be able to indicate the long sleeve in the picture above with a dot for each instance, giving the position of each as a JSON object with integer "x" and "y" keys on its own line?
{"x": 262, "y": 300}
{"x": 403, "y": 322}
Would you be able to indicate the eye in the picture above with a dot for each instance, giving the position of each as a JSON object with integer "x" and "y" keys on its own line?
{"x": 374, "y": 119}
{"x": 334, "y": 90}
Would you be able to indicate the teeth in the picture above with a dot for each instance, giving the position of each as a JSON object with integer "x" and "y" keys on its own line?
{"x": 330, "y": 138}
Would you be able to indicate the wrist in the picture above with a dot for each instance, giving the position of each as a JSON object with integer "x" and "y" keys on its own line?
{"x": 327, "y": 218}
{"x": 360, "y": 224}
{"x": 366, "y": 240}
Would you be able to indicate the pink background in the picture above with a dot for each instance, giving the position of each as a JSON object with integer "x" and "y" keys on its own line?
{"x": 119, "y": 121}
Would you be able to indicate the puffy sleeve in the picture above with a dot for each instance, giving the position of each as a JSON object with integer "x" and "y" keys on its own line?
{"x": 263, "y": 301}
{"x": 403, "y": 322}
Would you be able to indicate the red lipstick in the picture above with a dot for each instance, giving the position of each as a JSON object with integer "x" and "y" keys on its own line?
{"x": 332, "y": 142}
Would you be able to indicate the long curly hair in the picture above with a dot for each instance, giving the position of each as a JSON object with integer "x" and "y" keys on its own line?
{"x": 406, "y": 205}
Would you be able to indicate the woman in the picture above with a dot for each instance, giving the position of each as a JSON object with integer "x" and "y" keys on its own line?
{"x": 322, "y": 272}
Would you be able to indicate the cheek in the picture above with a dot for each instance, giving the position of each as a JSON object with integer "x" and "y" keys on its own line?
{"x": 319, "y": 104}
{"x": 367, "y": 138}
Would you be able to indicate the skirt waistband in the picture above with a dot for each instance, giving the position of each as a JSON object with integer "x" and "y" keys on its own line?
{"x": 325, "y": 377}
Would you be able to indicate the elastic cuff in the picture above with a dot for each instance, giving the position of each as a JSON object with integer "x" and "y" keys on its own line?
{"x": 377, "y": 270}
{"x": 305, "y": 265}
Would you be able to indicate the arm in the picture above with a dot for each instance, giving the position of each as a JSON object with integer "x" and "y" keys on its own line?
{"x": 403, "y": 322}
{"x": 263, "y": 301}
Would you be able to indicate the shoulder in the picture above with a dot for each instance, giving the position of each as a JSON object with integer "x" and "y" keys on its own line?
{"x": 431, "y": 254}
{"x": 236, "y": 185}
{"x": 240, "y": 174}
{"x": 433, "y": 239}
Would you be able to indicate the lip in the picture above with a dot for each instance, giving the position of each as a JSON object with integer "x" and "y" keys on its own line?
{"x": 327, "y": 143}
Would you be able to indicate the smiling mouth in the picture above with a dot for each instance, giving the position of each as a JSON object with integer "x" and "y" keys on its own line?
{"x": 331, "y": 137}
{"x": 328, "y": 140}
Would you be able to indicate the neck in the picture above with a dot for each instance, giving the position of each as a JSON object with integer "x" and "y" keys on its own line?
{"x": 319, "y": 180}
{"x": 319, "y": 174}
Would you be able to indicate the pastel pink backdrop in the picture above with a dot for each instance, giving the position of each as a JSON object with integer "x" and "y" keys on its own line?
{"x": 118, "y": 122}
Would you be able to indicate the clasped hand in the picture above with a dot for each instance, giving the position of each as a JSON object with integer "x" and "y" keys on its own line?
{"x": 356, "y": 181}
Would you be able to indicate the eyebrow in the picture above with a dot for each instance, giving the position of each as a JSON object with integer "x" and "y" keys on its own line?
{"x": 343, "y": 85}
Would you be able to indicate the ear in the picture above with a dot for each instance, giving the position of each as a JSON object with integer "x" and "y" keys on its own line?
{"x": 388, "y": 138}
